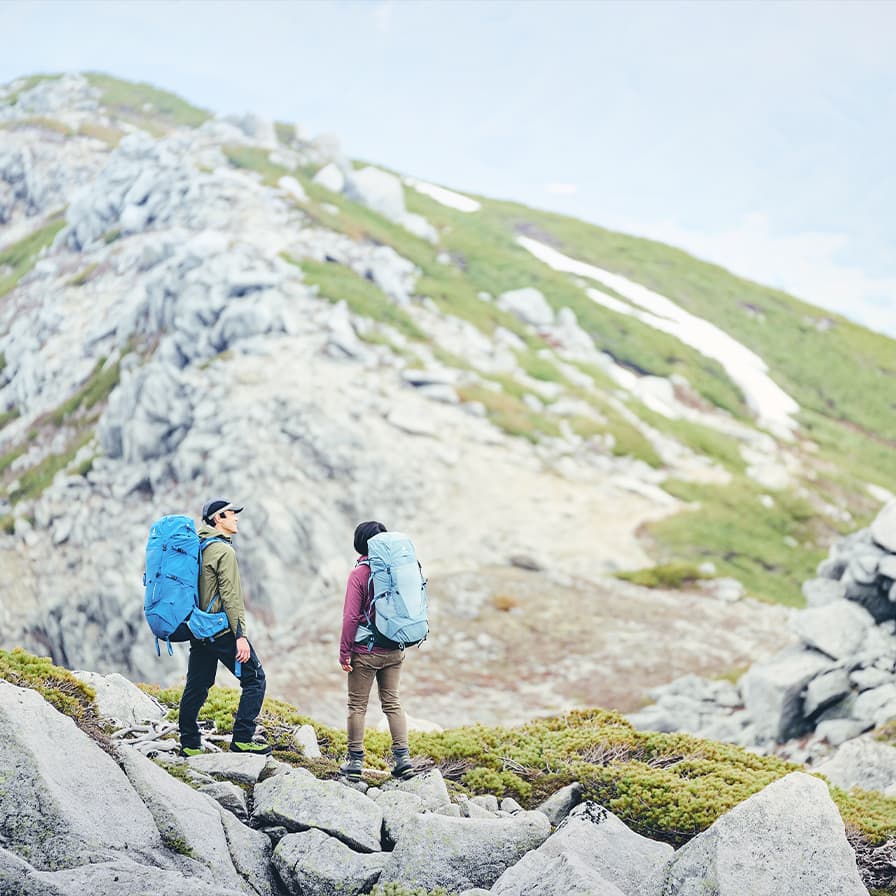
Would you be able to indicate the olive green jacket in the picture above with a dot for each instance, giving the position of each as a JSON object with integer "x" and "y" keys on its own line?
{"x": 220, "y": 575}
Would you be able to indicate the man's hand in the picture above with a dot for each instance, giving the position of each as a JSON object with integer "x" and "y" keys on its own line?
{"x": 347, "y": 666}
{"x": 242, "y": 650}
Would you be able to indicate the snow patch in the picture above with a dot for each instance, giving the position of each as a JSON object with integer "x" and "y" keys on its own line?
{"x": 773, "y": 407}
{"x": 445, "y": 197}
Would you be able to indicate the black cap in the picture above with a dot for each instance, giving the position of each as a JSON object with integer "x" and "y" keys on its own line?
{"x": 216, "y": 505}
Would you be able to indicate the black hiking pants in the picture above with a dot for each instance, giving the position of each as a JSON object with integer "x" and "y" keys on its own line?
{"x": 204, "y": 659}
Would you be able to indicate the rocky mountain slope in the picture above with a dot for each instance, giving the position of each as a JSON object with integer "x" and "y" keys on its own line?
{"x": 194, "y": 305}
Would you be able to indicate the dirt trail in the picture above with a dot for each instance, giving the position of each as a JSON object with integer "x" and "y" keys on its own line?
{"x": 508, "y": 645}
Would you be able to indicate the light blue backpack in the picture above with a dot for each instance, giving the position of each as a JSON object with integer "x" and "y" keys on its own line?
{"x": 171, "y": 580}
{"x": 398, "y": 594}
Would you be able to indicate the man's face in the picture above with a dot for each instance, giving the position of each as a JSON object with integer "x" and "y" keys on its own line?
{"x": 227, "y": 521}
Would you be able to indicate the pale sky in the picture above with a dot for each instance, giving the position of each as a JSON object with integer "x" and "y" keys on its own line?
{"x": 755, "y": 134}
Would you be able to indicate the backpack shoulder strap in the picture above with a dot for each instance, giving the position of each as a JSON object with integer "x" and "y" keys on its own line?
{"x": 203, "y": 544}
{"x": 368, "y": 597}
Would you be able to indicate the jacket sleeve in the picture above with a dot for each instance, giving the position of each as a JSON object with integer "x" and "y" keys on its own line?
{"x": 352, "y": 611}
{"x": 231, "y": 591}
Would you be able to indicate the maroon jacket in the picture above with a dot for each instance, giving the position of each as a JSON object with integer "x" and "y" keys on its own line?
{"x": 353, "y": 612}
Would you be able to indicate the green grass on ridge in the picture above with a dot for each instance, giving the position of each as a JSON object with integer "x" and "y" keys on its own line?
{"x": 144, "y": 104}
{"x": 21, "y": 257}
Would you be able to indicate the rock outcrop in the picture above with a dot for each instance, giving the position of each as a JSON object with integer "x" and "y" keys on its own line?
{"x": 591, "y": 851}
{"x": 752, "y": 848}
{"x": 77, "y": 819}
{"x": 837, "y": 681}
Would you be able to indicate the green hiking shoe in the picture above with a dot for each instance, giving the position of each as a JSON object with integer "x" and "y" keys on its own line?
{"x": 403, "y": 767}
{"x": 353, "y": 767}
{"x": 250, "y": 747}
{"x": 191, "y": 751}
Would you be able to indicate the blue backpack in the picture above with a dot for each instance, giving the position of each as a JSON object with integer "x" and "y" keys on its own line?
{"x": 171, "y": 579}
{"x": 397, "y": 594}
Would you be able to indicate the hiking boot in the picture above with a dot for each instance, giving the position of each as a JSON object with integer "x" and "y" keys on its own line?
{"x": 190, "y": 751}
{"x": 403, "y": 767}
{"x": 352, "y": 767}
{"x": 250, "y": 747}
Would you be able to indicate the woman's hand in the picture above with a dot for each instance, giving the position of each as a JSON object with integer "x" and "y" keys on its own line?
{"x": 346, "y": 665}
{"x": 242, "y": 650}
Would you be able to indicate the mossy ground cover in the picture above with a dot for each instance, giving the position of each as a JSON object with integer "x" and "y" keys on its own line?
{"x": 665, "y": 575}
{"x": 34, "y": 481}
{"x": 146, "y": 105}
{"x": 78, "y": 414}
{"x": 286, "y": 133}
{"x": 770, "y": 550}
{"x": 55, "y": 684}
{"x": 399, "y": 890}
{"x": 628, "y": 440}
{"x": 104, "y": 133}
{"x": 540, "y": 368}
{"x": 665, "y": 786}
{"x": 39, "y": 122}
{"x": 508, "y": 412}
{"x": 84, "y": 275}
{"x": 7, "y": 458}
{"x": 860, "y": 456}
{"x": 19, "y": 258}
{"x": 339, "y": 283}
{"x": 253, "y": 158}
{"x": 702, "y": 440}
{"x": 96, "y": 389}
{"x": 27, "y": 84}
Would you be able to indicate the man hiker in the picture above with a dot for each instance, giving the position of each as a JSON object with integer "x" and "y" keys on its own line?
{"x": 219, "y": 576}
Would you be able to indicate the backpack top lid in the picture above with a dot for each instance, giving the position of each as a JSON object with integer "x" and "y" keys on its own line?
{"x": 391, "y": 548}
{"x": 172, "y": 524}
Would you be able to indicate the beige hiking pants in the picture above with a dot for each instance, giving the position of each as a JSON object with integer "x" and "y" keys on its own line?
{"x": 386, "y": 669}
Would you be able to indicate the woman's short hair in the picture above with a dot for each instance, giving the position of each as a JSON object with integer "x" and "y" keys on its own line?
{"x": 364, "y": 532}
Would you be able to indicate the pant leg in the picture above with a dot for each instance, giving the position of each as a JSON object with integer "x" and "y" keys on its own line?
{"x": 252, "y": 685}
{"x": 360, "y": 681}
{"x": 200, "y": 677}
{"x": 387, "y": 681}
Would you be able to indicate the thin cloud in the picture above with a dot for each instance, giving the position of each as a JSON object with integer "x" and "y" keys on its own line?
{"x": 561, "y": 189}
{"x": 383, "y": 14}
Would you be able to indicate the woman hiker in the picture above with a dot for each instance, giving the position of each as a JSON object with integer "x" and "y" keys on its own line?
{"x": 378, "y": 659}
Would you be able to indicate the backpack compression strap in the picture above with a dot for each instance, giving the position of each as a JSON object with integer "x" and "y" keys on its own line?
{"x": 368, "y": 606}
